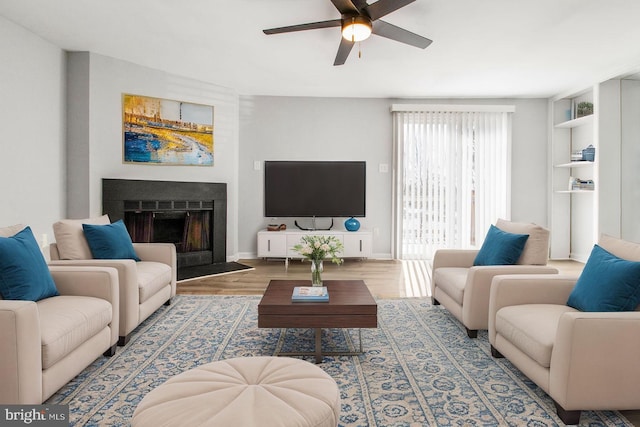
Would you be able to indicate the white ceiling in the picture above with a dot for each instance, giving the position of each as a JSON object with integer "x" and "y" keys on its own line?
{"x": 481, "y": 48}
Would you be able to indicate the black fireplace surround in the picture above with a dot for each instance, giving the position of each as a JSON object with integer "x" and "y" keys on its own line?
{"x": 166, "y": 211}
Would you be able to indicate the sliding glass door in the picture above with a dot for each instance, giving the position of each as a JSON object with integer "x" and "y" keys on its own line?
{"x": 452, "y": 176}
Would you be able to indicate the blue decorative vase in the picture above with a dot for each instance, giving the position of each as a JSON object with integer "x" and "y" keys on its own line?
{"x": 352, "y": 224}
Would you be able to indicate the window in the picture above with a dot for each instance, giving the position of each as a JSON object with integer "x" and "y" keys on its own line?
{"x": 452, "y": 175}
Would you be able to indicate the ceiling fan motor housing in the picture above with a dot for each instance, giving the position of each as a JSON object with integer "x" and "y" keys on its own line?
{"x": 356, "y": 27}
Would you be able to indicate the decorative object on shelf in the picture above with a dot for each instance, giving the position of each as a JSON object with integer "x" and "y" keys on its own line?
{"x": 316, "y": 249}
{"x": 576, "y": 156}
{"x": 352, "y": 224}
{"x": 581, "y": 184}
{"x": 584, "y": 109}
{"x": 276, "y": 227}
{"x": 589, "y": 153}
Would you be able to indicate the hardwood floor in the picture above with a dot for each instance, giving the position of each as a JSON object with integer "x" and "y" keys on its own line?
{"x": 385, "y": 279}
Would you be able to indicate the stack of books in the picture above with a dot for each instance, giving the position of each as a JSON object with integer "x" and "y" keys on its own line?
{"x": 310, "y": 294}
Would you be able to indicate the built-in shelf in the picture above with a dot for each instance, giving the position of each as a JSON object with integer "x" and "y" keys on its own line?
{"x": 575, "y": 165}
{"x": 573, "y": 211}
{"x": 580, "y": 121}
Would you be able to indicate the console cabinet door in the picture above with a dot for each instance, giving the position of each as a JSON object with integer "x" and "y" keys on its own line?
{"x": 357, "y": 245}
{"x": 272, "y": 244}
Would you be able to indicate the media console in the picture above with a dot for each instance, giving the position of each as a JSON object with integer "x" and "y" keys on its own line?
{"x": 279, "y": 244}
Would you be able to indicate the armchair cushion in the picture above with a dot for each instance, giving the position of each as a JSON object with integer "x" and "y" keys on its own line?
{"x": 500, "y": 247}
{"x": 607, "y": 283}
{"x": 110, "y": 241}
{"x": 620, "y": 248}
{"x": 536, "y": 250}
{"x": 452, "y": 280}
{"x": 24, "y": 274}
{"x": 513, "y": 323}
{"x": 12, "y": 230}
{"x": 152, "y": 277}
{"x": 70, "y": 238}
{"x": 71, "y": 321}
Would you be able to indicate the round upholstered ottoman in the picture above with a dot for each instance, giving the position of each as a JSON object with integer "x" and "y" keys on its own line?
{"x": 246, "y": 391}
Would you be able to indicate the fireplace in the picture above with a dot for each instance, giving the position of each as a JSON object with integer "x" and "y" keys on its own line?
{"x": 191, "y": 215}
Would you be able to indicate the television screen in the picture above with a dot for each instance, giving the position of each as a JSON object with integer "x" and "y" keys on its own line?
{"x": 320, "y": 189}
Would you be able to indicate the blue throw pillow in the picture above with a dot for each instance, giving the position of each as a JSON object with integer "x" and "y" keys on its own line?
{"x": 500, "y": 248}
{"x": 607, "y": 283}
{"x": 24, "y": 274}
{"x": 111, "y": 241}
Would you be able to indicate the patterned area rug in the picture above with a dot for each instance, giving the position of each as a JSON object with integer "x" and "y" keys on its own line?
{"x": 419, "y": 367}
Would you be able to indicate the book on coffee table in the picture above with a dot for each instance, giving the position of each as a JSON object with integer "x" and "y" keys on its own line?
{"x": 310, "y": 294}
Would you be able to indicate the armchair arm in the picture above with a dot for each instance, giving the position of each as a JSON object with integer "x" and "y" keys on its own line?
{"x": 129, "y": 296}
{"x": 158, "y": 252}
{"x": 595, "y": 362}
{"x": 454, "y": 258}
{"x": 97, "y": 282}
{"x": 475, "y": 304}
{"x": 527, "y": 289}
{"x": 20, "y": 353}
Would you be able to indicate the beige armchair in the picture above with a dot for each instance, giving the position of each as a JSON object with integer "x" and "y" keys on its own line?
{"x": 47, "y": 343}
{"x": 144, "y": 285}
{"x": 582, "y": 360}
{"x": 463, "y": 289}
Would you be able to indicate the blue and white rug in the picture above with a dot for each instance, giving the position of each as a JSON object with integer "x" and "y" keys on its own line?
{"x": 419, "y": 368}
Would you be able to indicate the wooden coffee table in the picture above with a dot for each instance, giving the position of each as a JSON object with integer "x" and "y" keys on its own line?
{"x": 350, "y": 306}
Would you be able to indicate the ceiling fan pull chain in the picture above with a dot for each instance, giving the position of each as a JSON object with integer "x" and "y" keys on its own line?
{"x": 359, "y": 50}
{"x": 353, "y": 31}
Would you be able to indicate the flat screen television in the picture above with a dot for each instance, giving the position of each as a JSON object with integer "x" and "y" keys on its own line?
{"x": 314, "y": 188}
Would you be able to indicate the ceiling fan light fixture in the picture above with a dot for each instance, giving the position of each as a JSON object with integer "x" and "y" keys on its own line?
{"x": 356, "y": 28}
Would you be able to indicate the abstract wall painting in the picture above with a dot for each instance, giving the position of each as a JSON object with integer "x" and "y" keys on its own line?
{"x": 166, "y": 132}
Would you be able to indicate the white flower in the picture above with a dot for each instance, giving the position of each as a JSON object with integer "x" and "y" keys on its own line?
{"x": 319, "y": 248}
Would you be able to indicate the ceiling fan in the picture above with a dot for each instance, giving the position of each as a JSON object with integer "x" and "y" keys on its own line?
{"x": 359, "y": 20}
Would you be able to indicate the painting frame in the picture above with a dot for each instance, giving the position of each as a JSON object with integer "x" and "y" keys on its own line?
{"x": 166, "y": 132}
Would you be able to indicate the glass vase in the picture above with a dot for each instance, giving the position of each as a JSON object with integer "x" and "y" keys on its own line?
{"x": 316, "y": 272}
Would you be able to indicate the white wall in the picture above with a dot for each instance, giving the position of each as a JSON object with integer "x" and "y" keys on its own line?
{"x": 629, "y": 160}
{"x": 291, "y": 128}
{"x": 32, "y": 117}
{"x": 32, "y": 165}
{"x": 297, "y": 128}
{"x": 96, "y": 86}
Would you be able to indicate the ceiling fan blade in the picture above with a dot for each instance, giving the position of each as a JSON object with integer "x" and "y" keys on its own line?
{"x": 303, "y": 27}
{"x": 360, "y": 4}
{"x": 384, "y": 7}
{"x": 343, "y": 51}
{"x": 384, "y": 29}
{"x": 345, "y": 6}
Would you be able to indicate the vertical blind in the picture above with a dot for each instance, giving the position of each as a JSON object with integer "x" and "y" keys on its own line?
{"x": 452, "y": 176}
